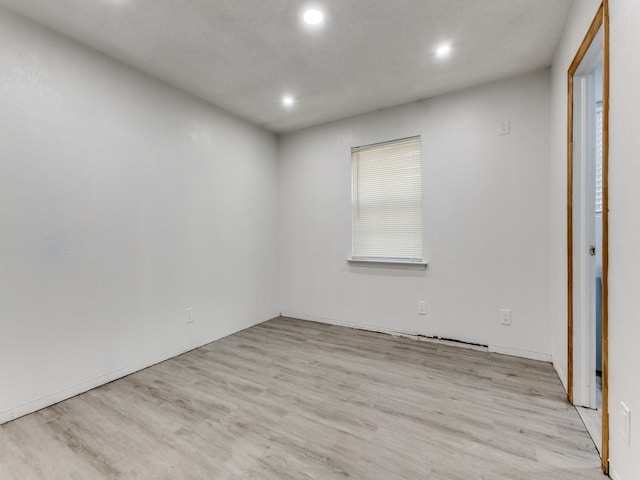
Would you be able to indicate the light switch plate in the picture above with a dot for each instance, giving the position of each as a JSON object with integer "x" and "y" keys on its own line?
{"x": 505, "y": 127}
{"x": 626, "y": 423}
{"x": 422, "y": 307}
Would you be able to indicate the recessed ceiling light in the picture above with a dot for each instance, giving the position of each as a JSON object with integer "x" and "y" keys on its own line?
{"x": 313, "y": 16}
{"x": 443, "y": 50}
{"x": 288, "y": 101}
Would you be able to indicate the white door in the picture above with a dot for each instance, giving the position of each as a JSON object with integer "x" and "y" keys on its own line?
{"x": 587, "y": 85}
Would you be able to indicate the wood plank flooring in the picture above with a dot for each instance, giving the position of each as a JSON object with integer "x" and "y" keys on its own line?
{"x": 290, "y": 399}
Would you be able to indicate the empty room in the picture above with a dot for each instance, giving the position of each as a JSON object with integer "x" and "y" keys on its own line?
{"x": 319, "y": 240}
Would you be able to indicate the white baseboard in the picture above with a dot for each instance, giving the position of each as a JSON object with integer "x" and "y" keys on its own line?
{"x": 562, "y": 376}
{"x": 72, "y": 391}
{"x": 357, "y": 326}
{"x": 514, "y": 352}
{"x": 517, "y": 352}
{"x": 613, "y": 474}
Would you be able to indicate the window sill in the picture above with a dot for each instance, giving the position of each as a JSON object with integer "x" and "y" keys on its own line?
{"x": 392, "y": 263}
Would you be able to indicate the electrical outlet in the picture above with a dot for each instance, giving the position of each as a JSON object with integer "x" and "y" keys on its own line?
{"x": 422, "y": 307}
{"x": 188, "y": 316}
{"x": 505, "y": 317}
{"x": 626, "y": 423}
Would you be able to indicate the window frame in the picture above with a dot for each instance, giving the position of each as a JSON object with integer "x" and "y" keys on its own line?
{"x": 405, "y": 186}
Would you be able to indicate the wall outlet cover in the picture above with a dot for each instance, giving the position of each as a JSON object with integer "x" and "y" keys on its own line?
{"x": 505, "y": 316}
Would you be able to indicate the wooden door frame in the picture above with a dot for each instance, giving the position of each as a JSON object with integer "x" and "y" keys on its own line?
{"x": 601, "y": 20}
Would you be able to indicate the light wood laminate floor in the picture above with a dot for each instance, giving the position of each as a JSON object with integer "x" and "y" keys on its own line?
{"x": 290, "y": 399}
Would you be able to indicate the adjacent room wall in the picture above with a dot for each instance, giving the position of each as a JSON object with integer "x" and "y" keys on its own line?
{"x": 624, "y": 237}
{"x": 123, "y": 202}
{"x": 486, "y": 220}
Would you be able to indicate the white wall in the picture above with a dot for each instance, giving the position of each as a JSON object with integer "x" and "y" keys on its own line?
{"x": 122, "y": 202}
{"x": 486, "y": 220}
{"x": 624, "y": 218}
{"x": 624, "y": 236}
{"x": 581, "y": 16}
{"x": 116, "y": 214}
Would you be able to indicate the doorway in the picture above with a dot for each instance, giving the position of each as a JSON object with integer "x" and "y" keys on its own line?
{"x": 587, "y": 238}
{"x": 587, "y": 231}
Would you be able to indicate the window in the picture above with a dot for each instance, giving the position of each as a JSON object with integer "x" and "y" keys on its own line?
{"x": 387, "y": 201}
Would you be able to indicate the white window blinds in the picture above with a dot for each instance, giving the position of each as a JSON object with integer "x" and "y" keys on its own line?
{"x": 387, "y": 201}
{"x": 599, "y": 157}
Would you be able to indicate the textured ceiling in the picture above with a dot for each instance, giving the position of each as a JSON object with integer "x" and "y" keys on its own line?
{"x": 243, "y": 55}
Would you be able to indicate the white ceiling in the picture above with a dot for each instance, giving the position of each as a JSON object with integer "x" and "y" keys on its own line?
{"x": 244, "y": 55}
